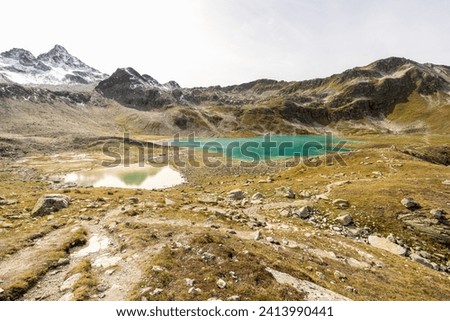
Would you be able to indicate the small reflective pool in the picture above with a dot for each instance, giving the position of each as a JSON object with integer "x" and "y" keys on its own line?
{"x": 147, "y": 177}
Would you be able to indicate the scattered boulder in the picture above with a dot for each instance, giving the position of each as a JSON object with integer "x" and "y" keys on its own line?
{"x": 194, "y": 290}
{"x": 385, "y": 244}
{"x": 257, "y": 198}
{"x": 338, "y": 275}
{"x": 344, "y": 220}
{"x": 303, "y": 212}
{"x": 351, "y": 289}
{"x": 69, "y": 283}
{"x": 48, "y": 204}
{"x": 208, "y": 199}
{"x": 158, "y": 268}
{"x": 446, "y": 182}
{"x": 221, "y": 284}
{"x": 234, "y": 298}
{"x": 189, "y": 282}
{"x": 438, "y": 213}
{"x": 419, "y": 259}
{"x": 285, "y": 192}
{"x": 286, "y": 212}
{"x": 169, "y": 202}
{"x": 236, "y": 194}
{"x": 305, "y": 194}
{"x": 341, "y": 203}
{"x": 410, "y": 203}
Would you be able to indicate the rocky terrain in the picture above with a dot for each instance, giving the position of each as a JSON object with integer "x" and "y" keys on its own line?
{"x": 373, "y": 227}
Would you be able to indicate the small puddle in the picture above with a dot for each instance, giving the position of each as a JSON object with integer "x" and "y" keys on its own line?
{"x": 147, "y": 177}
{"x": 95, "y": 244}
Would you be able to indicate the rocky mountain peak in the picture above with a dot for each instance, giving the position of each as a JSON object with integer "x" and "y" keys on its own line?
{"x": 391, "y": 64}
{"x": 19, "y": 54}
{"x": 58, "y": 56}
{"x": 55, "y": 67}
{"x": 130, "y": 88}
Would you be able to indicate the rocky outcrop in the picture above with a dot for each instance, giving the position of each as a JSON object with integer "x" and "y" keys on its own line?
{"x": 48, "y": 204}
{"x": 132, "y": 89}
{"x": 386, "y": 245}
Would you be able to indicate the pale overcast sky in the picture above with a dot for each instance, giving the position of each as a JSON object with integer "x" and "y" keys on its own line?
{"x": 221, "y": 42}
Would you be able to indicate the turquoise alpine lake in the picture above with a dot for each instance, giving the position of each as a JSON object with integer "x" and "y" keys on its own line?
{"x": 265, "y": 147}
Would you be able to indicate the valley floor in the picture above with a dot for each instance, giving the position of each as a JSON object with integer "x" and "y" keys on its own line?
{"x": 269, "y": 233}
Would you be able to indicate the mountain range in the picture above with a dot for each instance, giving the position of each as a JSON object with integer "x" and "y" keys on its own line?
{"x": 55, "y": 67}
{"x": 392, "y": 94}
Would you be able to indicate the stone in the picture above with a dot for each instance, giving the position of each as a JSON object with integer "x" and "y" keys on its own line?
{"x": 158, "y": 268}
{"x": 156, "y": 291}
{"x": 417, "y": 258}
{"x": 234, "y": 298}
{"x": 208, "y": 199}
{"x": 194, "y": 290}
{"x": 305, "y": 194}
{"x": 410, "y": 203}
{"x": 208, "y": 257}
{"x": 438, "y": 213}
{"x": 385, "y": 244}
{"x": 303, "y": 212}
{"x": 106, "y": 261}
{"x": 69, "y": 283}
{"x": 257, "y": 196}
{"x": 425, "y": 254}
{"x": 341, "y": 203}
{"x": 110, "y": 272}
{"x": 169, "y": 202}
{"x": 286, "y": 212}
{"x": 63, "y": 261}
{"x": 102, "y": 287}
{"x": 339, "y": 275}
{"x": 48, "y": 204}
{"x": 189, "y": 282}
{"x": 446, "y": 182}
{"x": 285, "y": 192}
{"x": 320, "y": 275}
{"x": 344, "y": 220}
{"x": 221, "y": 284}
{"x": 236, "y": 194}
{"x": 351, "y": 289}
{"x": 257, "y": 235}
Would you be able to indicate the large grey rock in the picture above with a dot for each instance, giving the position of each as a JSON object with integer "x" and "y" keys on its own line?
{"x": 236, "y": 194}
{"x": 344, "y": 220}
{"x": 385, "y": 244}
{"x": 410, "y": 203}
{"x": 48, "y": 204}
{"x": 285, "y": 192}
{"x": 303, "y": 212}
{"x": 341, "y": 203}
{"x": 257, "y": 198}
{"x": 438, "y": 213}
{"x": 419, "y": 259}
{"x": 70, "y": 282}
